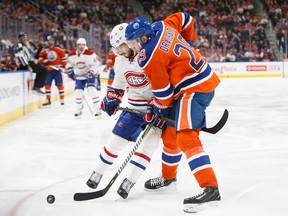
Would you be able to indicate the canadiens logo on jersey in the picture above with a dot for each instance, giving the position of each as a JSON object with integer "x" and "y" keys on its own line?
{"x": 135, "y": 79}
{"x": 119, "y": 124}
{"x": 52, "y": 55}
{"x": 81, "y": 65}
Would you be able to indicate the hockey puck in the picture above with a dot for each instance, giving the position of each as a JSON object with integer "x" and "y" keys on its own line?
{"x": 50, "y": 199}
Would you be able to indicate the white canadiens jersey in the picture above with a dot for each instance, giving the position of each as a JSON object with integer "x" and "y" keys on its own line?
{"x": 129, "y": 74}
{"x": 83, "y": 63}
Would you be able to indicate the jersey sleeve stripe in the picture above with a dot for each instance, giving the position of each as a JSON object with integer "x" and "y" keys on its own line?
{"x": 137, "y": 103}
{"x": 187, "y": 19}
{"x": 164, "y": 93}
{"x": 193, "y": 80}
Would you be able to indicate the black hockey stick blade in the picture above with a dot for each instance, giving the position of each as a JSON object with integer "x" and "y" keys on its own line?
{"x": 95, "y": 194}
{"x": 219, "y": 125}
{"x": 213, "y": 130}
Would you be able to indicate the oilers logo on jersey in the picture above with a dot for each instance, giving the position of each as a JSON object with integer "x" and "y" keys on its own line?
{"x": 51, "y": 56}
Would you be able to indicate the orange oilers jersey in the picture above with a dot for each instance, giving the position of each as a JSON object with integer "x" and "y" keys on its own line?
{"x": 110, "y": 60}
{"x": 172, "y": 66}
{"x": 52, "y": 56}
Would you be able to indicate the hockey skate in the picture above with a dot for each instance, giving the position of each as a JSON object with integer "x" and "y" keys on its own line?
{"x": 125, "y": 188}
{"x": 159, "y": 184}
{"x": 209, "y": 195}
{"x": 47, "y": 103}
{"x": 78, "y": 112}
{"x": 62, "y": 102}
{"x": 97, "y": 112}
{"x": 94, "y": 180}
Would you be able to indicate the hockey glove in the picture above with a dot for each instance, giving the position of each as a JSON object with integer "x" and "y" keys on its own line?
{"x": 105, "y": 70}
{"x": 90, "y": 75}
{"x": 160, "y": 123}
{"x": 148, "y": 117}
{"x": 112, "y": 100}
{"x": 71, "y": 75}
{"x": 46, "y": 62}
{"x": 160, "y": 109}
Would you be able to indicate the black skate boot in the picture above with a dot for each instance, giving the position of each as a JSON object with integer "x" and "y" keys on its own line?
{"x": 155, "y": 184}
{"x": 94, "y": 180}
{"x": 47, "y": 103}
{"x": 125, "y": 188}
{"x": 208, "y": 195}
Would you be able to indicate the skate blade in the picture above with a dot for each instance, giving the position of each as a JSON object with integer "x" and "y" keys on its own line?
{"x": 194, "y": 208}
{"x": 98, "y": 115}
{"x": 78, "y": 117}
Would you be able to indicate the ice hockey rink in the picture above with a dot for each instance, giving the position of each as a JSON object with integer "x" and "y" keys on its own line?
{"x": 51, "y": 152}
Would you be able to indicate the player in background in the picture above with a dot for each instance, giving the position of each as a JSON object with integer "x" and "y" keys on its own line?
{"x": 182, "y": 79}
{"x": 54, "y": 56}
{"x": 129, "y": 125}
{"x": 83, "y": 67}
{"x": 110, "y": 61}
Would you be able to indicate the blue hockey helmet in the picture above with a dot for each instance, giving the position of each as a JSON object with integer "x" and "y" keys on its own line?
{"x": 50, "y": 37}
{"x": 137, "y": 28}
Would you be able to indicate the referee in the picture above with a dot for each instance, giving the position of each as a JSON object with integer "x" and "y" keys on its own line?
{"x": 25, "y": 53}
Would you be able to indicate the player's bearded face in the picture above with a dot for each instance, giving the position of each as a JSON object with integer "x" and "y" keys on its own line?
{"x": 81, "y": 47}
{"x": 123, "y": 50}
{"x": 51, "y": 43}
{"x": 135, "y": 45}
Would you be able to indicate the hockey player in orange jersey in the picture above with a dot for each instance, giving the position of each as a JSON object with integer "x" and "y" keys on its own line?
{"x": 182, "y": 81}
{"x": 110, "y": 60}
{"x": 54, "y": 56}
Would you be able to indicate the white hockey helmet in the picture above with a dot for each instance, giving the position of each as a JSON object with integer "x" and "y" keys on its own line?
{"x": 117, "y": 36}
{"x": 81, "y": 41}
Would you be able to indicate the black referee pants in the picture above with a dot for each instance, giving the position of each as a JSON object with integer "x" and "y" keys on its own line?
{"x": 41, "y": 73}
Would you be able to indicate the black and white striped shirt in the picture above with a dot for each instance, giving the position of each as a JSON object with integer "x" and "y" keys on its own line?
{"x": 24, "y": 53}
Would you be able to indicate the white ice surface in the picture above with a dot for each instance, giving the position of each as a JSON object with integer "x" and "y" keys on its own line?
{"x": 50, "y": 152}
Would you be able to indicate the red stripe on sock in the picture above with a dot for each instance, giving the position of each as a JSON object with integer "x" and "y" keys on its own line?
{"x": 109, "y": 153}
{"x": 142, "y": 156}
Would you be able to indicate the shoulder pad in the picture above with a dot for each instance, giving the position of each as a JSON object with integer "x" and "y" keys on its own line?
{"x": 88, "y": 52}
{"x": 72, "y": 52}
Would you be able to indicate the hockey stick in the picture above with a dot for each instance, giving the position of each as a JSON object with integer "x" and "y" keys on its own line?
{"x": 58, "y": 68}
{"x": 100, "y": 193}
{"x": 53, "y": 67}
{"x": 213, "y": 130}
{"x": 87, "y": 104}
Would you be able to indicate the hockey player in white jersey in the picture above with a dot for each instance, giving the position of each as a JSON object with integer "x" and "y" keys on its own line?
{"x": 129, "y": 125}
{"x": 83, "y": 67}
